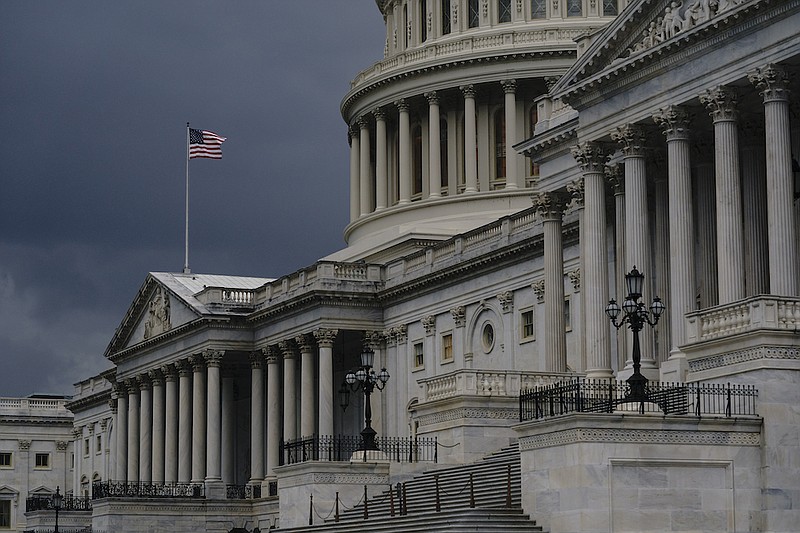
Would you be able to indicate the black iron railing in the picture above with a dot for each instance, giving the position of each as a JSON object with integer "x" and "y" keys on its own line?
{"x": 343, "y": 448}
{"x": 68, "y": 503}
{"x": 141, "y": 489}
{"x": 607, "y": 396}
{"x": 243, "y": 492}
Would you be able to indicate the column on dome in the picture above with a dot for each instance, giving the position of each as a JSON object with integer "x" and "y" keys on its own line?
{"x": 184, "y": 421}
{"x": 121, "y": 427}
{"x": 550, "y": 207}
{"x": 213, "y": 361}
{"x": 198, "y": 418}
{"x": 772, "y": 82}
{"x": 325, "y": 339}
{"x": 228, "y": 425}
{"x": 754, "y": 209}
{"x": 157, "y": 380}
{"x": 133, "y": 429}
{"x": 307, "y": 393}
{"x": 594, "y": 265}
{"x": 355, "y": 174}
{"x": 470, "y": 139}
{"x": 170, "y": 374}
{"x": 631, "y": 139}
{"x": 404, "y": 142}
{"x": 513, "y": 174}
{"x": 256, "y": 418}
{"x": 721, "y": 103}
{"x": 434, "y": 146}
{"x": 289, "y": 353}
{"x": 381, "y": 160}
{"x": 274, "y": 394}
{"x": 364, "y": 167}
{"x": 615, "y": 176}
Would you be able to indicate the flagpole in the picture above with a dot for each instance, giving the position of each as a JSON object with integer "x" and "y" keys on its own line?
{"x": 186, "y": 233}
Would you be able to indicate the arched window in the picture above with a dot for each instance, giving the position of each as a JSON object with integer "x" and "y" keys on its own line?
{"x": 416, "y": 154}
{"x": 538, "y": 9}
{"x": 504, "y": 11}
{"x": 443, "y": 152}
{"x": 84, "y": 486}
{"x": 474, "y": 13}
{"x": 446, "y": 14}
{"x": 500, "y": 143}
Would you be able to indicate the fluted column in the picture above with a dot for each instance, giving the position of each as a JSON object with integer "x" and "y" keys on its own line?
{"x": 228, "y": 425}
{"x": 470, "y": 139}
{"x": 615, "y": 176}
{"x": 145, "y": 429}
{"x": 170, "y": 423}
{"x": 256, "y": 418}
{"x": 364, "y": 170}
{"x": 198, "y": 418}
{"x": 706, "y": 272}
{"x": 512, "y": 172}
{"x": 77, "y": 447}
{"x": 184, "y": 421}
{"x": 721, "y": 103}
{"x": 307, "y": 393}
{"x": 381, "y": 161}
{"x": 754, "y": 208}
{"x": 121, "y": 428}
{"x": 434, "y": 145}
{"x": 325, "y": 339}
{"x": 404, "y": 149}
{"x": 550, "y": 206}
{"x": 591, "y": 159}
{"x": 274, "y": 394}
{"x": 289, "y": 393}
{"x": 133, "y": 429}
{"x": 355, "y": 174}
{"x": 773, "y": 84}
{"x": 213, "y": 360}
{"x": 157, "y": 379}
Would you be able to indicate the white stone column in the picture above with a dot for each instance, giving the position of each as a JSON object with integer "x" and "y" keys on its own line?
{"x": 381, "y": 161}
{"x": 706, "y": 222}
{"x": 550, "y": 206}
{"x": 434, "y": 146}
{"x": 721, "y": 103}
{"x": 274, "y": 395}
{"x": 198, "y": 418}
{"x": 157, "y": 379}
{"x": 754, "y": 208}
{"x": 256, "y": 418}
{"x": 470, "y": 140}
{"x": 170, "y": 423}
{"x": 513, "y": 175}
{"x": 77, "y": 447}
{"x": 184, "y": 421}
{"x": 616, "y": 177}
{"x": 325, "y": 339}
{"x": 355, "y": 175}
{"x": 307, "y": 394}
{"x": 228, "y": 425}
{"x": 121, "y": 428}
{"x": 213, "y": 360}
{"x": 145, "y": 429}
{"x": 289, "y": 390}
{"x": 364, "y": 167}
{"x": 133, "y": 430}
{"x": 404, "y": 141}
{"x": 773, "y": 84}
{"x": 591, "y": 159}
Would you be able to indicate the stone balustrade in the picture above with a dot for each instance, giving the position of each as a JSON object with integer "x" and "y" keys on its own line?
{"x": 507, "y": 383}
{"x": 758, "y": 313}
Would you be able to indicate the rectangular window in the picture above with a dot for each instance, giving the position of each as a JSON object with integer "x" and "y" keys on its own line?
{"x": 527, "y": 324}
{"x": 504, "y": 11}
{"x": 5, "y": 459}
{"x": 474, "y": 13}
{"x": 538, "y": 9}
{"x": 423, "y": 20}
{"x": 610, "y": 8}
{"x": 5, "y": 514}
{"x": 85, "y": 447}
{"x": 72, "y": 460}
{"x": 446, "y": 27}
{"x": 419, "y": 355}
{"x": 42, "y": 460}
{"x": 99, "y": 444}
{"x": 567, "y": 315}
{"x": 574, "y": 8}
{"x": 447, "y": 347}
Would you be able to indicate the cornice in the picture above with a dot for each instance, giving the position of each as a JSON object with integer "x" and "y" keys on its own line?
{"x": 314, "y": 299}
{"x": 98, "y": 398}
{"x": 38, "y": 420}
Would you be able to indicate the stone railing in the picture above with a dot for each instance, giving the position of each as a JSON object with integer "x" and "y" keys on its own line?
{"x": 759, "y": 313}
{"x": 39, "y": 404}
{"x": 322, "y": 273}
{"x": 494, "y": 383}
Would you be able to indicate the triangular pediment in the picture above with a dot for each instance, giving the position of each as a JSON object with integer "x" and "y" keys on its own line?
{"x": 5, "y": 490}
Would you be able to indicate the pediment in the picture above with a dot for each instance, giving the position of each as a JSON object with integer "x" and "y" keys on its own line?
{"x": 6, "y": 490}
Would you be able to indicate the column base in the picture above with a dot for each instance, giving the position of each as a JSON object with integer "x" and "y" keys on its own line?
{"x": 675, "y": 369}
{"x": 215, "y": 489}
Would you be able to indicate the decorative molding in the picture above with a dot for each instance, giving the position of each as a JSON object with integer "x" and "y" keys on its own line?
{"x": 461, "y": 413}
{"x": 429, "y": 323}
{"x": 550, "y": 205}
{"x": 213, "y": 357}
{"x": 590, "y": 157}
{"x": 674, "y": 122}
{"x": 373, "y": 340}
{"x": 721, "y": 103}
{"x": 325, "y": 337}
{"x": 400, "y": 333}
{"x": 538, "y": 290}
{"x": 459, "y": 316}
{"x": 639, "y": 436}
{"x": 743, "y": 356}
{"x": 506, "y": 301}
{"x": 24, "y": 445}
{"x": 575, "y": 189}
{"x": 575, "y": 277}
{"x": 287, "y": 349}
{"x": 772, "y": 82}
{"x": 631, "y": 139}
{"x": 615, "y": 175}
{"x": 158, "y": 314}
{"x": 324, "y": 478}
{"x": 61, "y": 445}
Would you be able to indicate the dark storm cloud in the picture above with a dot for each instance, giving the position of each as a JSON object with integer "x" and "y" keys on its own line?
{"x": 95, "y": 97}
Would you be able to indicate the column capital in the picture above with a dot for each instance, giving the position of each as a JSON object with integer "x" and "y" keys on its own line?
{"x": 184, "y": 367}
{"x": 197, "y": 362}
{"x": 631, "y": 139}
{"x": 674, "y": 122}
{"x": 772, "y": 82}
{"x": 590, "y": 156}
{"x": 550, "y": 82}
{"x": 169, "y": 372}
{"x": 459, "y": 314}
{"x": 538, "y": 290}
{"x": 402, "y": 105}
{"x": 576, "y": 190}
{"x": 213, "y": 357}
{"x": 721, "y": 102}
{"x": 156, "y": 377}
{"x": 256, "y": 358}
{"x": 373, "y": 339}
{"x": 432, "y": 97}
{"x": 429, "y": 323}
{"x": 550, "y": 205}
{"x": 112, "y": 404}
{"x": 363, "y": 122}
{"x": 401, "y": 333}
{"x": 287, "y": 348}
{"x": 379, "y": 113}
{"x": 272, "y": 354}
{"x": 509, "y": 86}
{"x": 468, "y": 91}
{"x": 326, "y": 337}
{"x": 144, "y": 382}
{"x": 132, "y": 385}
{"x": 506, "y": 299}
{"x": 118, "y": 389}
{"x": 304, "y": 342}
{"x": 352, "y": 132}
{"x": 615, "y": 175}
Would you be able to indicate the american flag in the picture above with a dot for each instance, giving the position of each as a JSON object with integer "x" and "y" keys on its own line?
{"x": 203, "y": 143}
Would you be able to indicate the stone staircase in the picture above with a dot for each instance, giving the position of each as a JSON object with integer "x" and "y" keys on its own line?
{"x": 495, "y": 484}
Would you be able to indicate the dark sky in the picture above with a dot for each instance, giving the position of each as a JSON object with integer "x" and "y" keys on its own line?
{"x": 94, "y": 100}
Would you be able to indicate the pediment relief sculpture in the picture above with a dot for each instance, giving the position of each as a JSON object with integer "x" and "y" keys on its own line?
{"x": 157, "y": 320}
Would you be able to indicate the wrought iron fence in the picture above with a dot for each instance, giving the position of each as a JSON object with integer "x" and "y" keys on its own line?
{"x": 142, "y": 489}
{"x": 68, "y": 503}
{"x": 343, "y": 448}
{"x": 243, "y": 492}
{"x": 607, "y": 396}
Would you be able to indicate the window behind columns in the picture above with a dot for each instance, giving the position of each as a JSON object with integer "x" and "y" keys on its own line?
{"x": 610, "y": 8}
{"x": 443, "y": 152}
{"x": 538, "y": 9}
{"x": 474, "y": 13}
{"x": 416, "y": 151}
{"x": 533, "y": 118}
{"x": 405, "y": 25}
{"x": 423, "y": 20}
{"x": 446, "y": 17}
{"x": 500, "y": 143}
{"x": 574, "y": 8}
{"x": 504, "y": 11}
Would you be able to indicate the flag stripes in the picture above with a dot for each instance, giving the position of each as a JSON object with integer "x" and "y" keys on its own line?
{"x": 203, "y": 143}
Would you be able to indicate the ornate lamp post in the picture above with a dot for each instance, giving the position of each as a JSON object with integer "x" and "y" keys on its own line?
{"x": 57, "y": 501}
{"x": 364, "y": 378}
{"x": 636, "y": 316}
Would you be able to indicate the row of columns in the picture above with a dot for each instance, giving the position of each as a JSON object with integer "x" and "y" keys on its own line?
{"x": 633, "y": 215}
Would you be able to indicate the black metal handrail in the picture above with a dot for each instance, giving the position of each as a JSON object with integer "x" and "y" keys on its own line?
{"x": 68, "y": 503}
{"x": 606, "y": 396}
{"x": 143, "y": 489}
{"x": 342, "y": 448}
